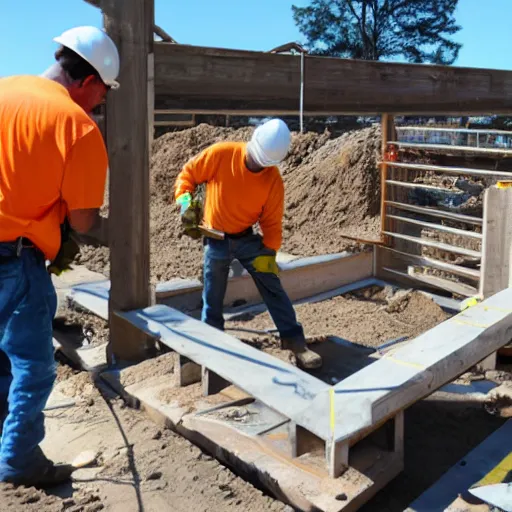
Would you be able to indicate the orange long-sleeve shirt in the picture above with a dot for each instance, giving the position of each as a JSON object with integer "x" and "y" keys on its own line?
{"x": 236, "y": 198}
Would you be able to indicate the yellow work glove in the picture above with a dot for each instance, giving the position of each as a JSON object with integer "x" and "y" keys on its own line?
{"x": 191, "y": 215}
{"x": 69, "y": 248}
{"x": 266, "y": 265}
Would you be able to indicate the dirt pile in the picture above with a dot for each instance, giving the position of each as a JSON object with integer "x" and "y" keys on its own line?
{"x": 369, "y": 317}
{"x": 332, "y": 188}
{"x": 333, "y": 193}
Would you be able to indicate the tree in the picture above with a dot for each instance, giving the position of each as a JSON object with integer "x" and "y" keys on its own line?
{"x": 416, "y": 30}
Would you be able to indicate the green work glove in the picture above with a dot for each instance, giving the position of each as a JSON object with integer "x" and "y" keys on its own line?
{"x": 69, "y": 248}
{"x": 266, "y": 265}
{"x": 191, "y": 215}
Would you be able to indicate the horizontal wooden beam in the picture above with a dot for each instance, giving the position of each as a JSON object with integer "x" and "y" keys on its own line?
{"x": 453, "y": 130}
{"x": 438, "y": 227}
{"x": 434, "y": 212}
{"x": 408, "y": 184}
{"x": 447, "y": 170}
{"x": 425, "y": 261}
{"x": 436, "y": 282}
{"x": 192, "y": 77}
{"x": 447, "y": 148}
{"x": 436, "y": 245}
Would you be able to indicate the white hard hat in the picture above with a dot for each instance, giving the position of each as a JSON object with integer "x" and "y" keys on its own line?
{"x": 270, "y": 143}
{"x": 96, "y": 47}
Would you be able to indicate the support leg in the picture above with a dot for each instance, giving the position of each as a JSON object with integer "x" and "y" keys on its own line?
{"x": 337, "y": 457}
{"x": 212, "y": 383}
{"x": 187, "y": 371}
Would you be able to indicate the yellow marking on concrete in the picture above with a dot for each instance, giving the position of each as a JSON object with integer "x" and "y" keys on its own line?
{"x": 331, "y": 409}
{"x": 504, "y": 184}
{"x": 404, "y": 363}
{"x": 498, "y": 473}
{"x": 471, "y": 324}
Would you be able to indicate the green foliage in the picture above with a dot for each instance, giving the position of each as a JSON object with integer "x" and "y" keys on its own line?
{"x": 415, "y": 30}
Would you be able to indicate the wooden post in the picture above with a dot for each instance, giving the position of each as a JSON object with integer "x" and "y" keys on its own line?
{"x": 129, "y": 23}
{"x": 212, "y": 383}
{"x": 385, "y": 122}
{"x": 496, "y": 249}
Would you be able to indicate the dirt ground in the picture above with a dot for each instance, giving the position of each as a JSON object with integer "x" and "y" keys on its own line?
{"x": 367, "y": 317}
{"x": 139, "y": 467}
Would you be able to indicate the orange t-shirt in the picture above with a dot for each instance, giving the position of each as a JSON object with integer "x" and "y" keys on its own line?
{"x": 52, "y": 160}
{"x": 236, "y": 198}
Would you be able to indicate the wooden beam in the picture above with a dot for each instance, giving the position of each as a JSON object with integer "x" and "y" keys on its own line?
{"x": 192, "y": 77}
{"x": 283, "y": 387}
{"x": 447, "y": 148}
{"x": 436, "y": 282}
{"x": 436, "y": 245}
{"x": 438, "y": 227}
{"x": 497, "y": 241}
{"x": 408, "y": 184}
{"x": 449, "y": 170}
{"x": 434, "y": 212}
{"x": 419, "y": 367}
{"x": 424, "y": 261}
{"x": 129, "y": 23}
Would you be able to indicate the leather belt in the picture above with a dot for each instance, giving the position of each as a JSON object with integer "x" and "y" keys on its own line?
{"x": 247, "y": 232}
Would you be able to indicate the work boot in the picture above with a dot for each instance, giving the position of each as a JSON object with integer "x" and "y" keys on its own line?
{"x": 306, "y": 359}
{"x": 43, "y": 473}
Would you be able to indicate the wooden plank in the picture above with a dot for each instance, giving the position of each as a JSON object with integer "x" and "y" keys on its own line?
{"x": 467, "y": 472}
{"x": 189, "y": 77}
{"x": 280, "y": 385}
{"x": 129, "y": 23}
{"x": 302, "y": 278}
{"x": 497, "y": 241}
{"x": 448, "y": 170}
{"x": 438, "y": 227}
{"x": 437, "y": 282}
{"x": 438, "y": 264}
{"x": 452, "y": 130}
{"x": 419, "y": 367}
{"x": 437, "y": 245}
{"x": 434, "y": 212}
{"x": 450, "y": 149}
{"x": 408, "y": 184}
{"x": 386, "y": 124}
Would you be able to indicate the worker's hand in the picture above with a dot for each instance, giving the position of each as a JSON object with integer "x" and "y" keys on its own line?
{"x": 69, "y": 248}
{"x": 191, "y": 215}
{"x": 266, "y": 264}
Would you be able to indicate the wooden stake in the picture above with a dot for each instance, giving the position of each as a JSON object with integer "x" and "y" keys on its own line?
{"x": 129, "y": 23}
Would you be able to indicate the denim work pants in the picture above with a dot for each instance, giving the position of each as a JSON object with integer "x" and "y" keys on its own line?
{"x": 28, "y": 303}
{"x": 218, "y": 255}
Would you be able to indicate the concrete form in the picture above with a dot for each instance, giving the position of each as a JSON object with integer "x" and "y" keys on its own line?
{"x": 346, "y": 440}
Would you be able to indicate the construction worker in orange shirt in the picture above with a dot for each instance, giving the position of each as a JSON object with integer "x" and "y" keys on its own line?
{"x": 243, "y": 187}
{"x": 53, "y": 167}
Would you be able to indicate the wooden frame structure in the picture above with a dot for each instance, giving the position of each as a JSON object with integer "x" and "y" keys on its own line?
{"x": 202, "y": 80}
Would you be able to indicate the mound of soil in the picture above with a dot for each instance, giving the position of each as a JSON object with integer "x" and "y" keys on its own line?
{"x": 332, "y": 188}
{"x": 335, "y": 192}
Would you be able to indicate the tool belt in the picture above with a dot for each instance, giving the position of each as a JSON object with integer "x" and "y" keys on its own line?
{"x": 235, "y": 236}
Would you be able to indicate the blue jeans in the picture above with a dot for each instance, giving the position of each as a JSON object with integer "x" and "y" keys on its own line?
{"x": 218, "y": 255}
{"x": 28, "y": 303}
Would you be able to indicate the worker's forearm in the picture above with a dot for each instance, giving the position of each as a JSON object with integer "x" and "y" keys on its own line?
{"x": 97, "y": 235}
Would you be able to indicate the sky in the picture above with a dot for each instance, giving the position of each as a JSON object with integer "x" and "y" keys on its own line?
{"x": 28, "y": 27}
